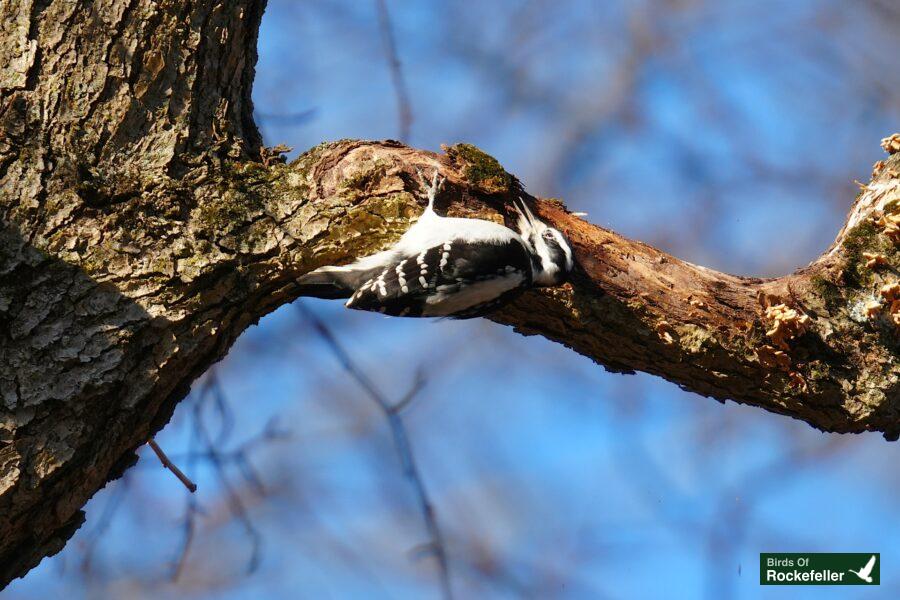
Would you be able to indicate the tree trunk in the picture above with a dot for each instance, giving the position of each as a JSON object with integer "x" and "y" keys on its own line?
{"x": 144, "y": 228}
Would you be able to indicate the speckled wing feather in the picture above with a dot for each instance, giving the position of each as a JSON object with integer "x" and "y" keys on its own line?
{"x": 455, "y": 279}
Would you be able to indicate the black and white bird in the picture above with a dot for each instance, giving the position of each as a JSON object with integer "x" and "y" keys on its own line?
{"x": 448, "y": 267}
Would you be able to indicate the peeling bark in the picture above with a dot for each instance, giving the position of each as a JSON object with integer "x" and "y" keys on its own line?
{"x": 144, "y": 228}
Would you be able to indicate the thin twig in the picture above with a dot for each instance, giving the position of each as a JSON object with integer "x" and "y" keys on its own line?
{"x": 404, "y": 107}
{"x": 190, "y": 485}
{"x": 400, "y": 438}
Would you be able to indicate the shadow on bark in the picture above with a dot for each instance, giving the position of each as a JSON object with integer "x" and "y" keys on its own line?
{"x": 75, "y": 375}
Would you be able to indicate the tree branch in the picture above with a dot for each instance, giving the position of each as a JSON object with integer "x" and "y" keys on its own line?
{"x": 632, "y": 307}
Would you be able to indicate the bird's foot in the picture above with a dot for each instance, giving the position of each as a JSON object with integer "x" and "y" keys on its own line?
{"x": 433, "y": 188}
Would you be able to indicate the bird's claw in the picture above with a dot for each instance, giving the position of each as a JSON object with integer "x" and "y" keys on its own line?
{"x": 431, "y": 190}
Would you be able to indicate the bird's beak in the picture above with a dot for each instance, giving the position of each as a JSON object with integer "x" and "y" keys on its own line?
{"x": 526, "y": 219}
{"x": 528, "y": 214}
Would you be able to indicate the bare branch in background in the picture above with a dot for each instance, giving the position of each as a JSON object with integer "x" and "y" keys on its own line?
{"x": 212, "y": 392}
{"x": 404, "y": 107}
{"x": 296, "y": 118}
{"x": 192, "y": 507}
{"x": 188, "y": 528}
{"x": 391, "y": 412}
{"x": 97, "y": 534}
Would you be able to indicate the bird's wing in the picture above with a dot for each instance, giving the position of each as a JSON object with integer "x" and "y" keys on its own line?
{"x": 445, "y": 280}
{"x": 867, "y": 570}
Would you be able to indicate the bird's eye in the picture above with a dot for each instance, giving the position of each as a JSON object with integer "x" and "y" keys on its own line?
{"x": 548, "y": 235}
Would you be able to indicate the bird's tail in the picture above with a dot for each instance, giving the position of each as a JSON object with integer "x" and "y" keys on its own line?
{"x": 327, "y": 283}
{"x": 332, "y": 283}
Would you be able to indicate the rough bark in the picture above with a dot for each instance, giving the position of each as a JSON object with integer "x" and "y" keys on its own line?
{"x": 144, "y": 228}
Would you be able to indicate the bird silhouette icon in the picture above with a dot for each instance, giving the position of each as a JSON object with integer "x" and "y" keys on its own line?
{"x": 866, "y": 572}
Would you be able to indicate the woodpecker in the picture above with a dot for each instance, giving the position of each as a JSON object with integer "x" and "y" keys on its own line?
{"x": 448, "y": 267}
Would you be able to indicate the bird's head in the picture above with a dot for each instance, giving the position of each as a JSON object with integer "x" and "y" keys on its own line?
{"x": 551, "y": 252}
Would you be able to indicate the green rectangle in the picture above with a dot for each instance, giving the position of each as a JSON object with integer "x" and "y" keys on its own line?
{"x": 820, "y": 568}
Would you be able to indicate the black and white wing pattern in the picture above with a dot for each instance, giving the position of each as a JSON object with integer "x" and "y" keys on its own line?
{"x": 448, "y": 266}
{"x": 459, "y": 278}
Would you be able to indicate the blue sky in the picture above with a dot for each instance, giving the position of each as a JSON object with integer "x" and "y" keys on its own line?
{"x": 727, "y": 133}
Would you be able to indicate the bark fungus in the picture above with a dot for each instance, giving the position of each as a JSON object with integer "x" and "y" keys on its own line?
{"x": 144, "y": 228}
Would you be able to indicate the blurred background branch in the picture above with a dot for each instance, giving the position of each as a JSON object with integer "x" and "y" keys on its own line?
{"x": 391, "y": 412}
{"x": 404, "y": 107}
